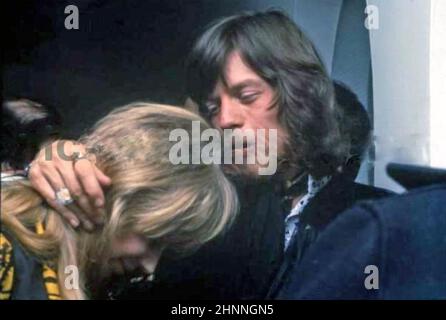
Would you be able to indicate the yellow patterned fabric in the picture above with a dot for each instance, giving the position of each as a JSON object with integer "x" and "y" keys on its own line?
{"x": 6, "y": 268}
{"x": 7, "y": 271}
{"x": 49, "y": 275}
{"x": 51, "y": 284}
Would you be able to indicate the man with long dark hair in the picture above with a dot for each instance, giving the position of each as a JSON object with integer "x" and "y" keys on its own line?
{"x": 256, "y": 71}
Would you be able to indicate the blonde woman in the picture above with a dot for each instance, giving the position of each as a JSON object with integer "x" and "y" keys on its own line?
{"x": 152, "y": 207}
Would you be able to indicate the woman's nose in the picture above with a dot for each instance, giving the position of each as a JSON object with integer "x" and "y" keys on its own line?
{"x": 148, "y": 264}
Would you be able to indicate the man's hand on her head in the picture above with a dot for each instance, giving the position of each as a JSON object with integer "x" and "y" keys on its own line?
{"x": 64, "y": 164}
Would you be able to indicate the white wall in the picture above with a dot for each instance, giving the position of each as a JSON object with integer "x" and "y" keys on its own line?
{"x": 438, "y": 83}
{"x": 400, "y": 64}
{"x": 319, "y": 20}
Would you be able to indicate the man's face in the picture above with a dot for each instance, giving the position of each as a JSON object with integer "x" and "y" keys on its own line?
{"x": 245, "y": 102}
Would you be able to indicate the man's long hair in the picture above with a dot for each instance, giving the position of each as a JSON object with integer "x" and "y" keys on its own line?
{"x": 276, "y": 49}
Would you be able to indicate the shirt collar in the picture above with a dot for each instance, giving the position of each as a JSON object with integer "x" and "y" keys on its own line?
{"x": 313, "y": 187}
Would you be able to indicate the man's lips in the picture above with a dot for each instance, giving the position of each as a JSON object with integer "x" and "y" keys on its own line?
{"x": 244, "y": 150}
{"x": 245, "y": 146}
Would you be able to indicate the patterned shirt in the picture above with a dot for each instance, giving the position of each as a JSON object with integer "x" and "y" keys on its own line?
{"x": 292, "y": 220}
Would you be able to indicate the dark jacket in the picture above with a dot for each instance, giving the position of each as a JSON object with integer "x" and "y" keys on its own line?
{"x": 340, "y": 194}
{"x": 403, "y": 236}
{"x": 237, "y": 265}
{"x": 22, "y": 276}
{"x": 243, "y": 263}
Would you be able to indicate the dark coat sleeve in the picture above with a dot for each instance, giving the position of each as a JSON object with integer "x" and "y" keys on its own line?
{"x": 404, "y": 236}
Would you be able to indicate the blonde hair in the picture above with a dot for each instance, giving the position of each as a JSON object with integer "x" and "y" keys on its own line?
{"x": 178, "y": 206}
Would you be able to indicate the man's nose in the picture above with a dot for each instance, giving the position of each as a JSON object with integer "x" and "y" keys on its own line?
{"x": 230, "y": 115}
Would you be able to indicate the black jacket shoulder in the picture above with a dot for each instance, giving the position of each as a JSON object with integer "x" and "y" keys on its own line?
{"x": 325, "y": 208}
{"x": 402, "y": 236}
{"x": 340, "y": 194}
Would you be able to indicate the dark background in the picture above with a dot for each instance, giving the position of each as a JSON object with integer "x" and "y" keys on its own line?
{"x": 123, "y": 51}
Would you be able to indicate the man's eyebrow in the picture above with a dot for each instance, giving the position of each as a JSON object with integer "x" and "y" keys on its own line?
{"x": 245, "y": 83}
{"x": 235, "y": 88}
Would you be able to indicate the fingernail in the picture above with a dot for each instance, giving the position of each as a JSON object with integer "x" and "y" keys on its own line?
{"x": 99, "y": 203}
{"x": 74, "y": 223}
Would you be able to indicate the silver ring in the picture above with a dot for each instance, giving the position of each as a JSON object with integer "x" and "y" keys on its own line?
{"x": 63, "y": 197}
{"x": 26, "y": 170}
